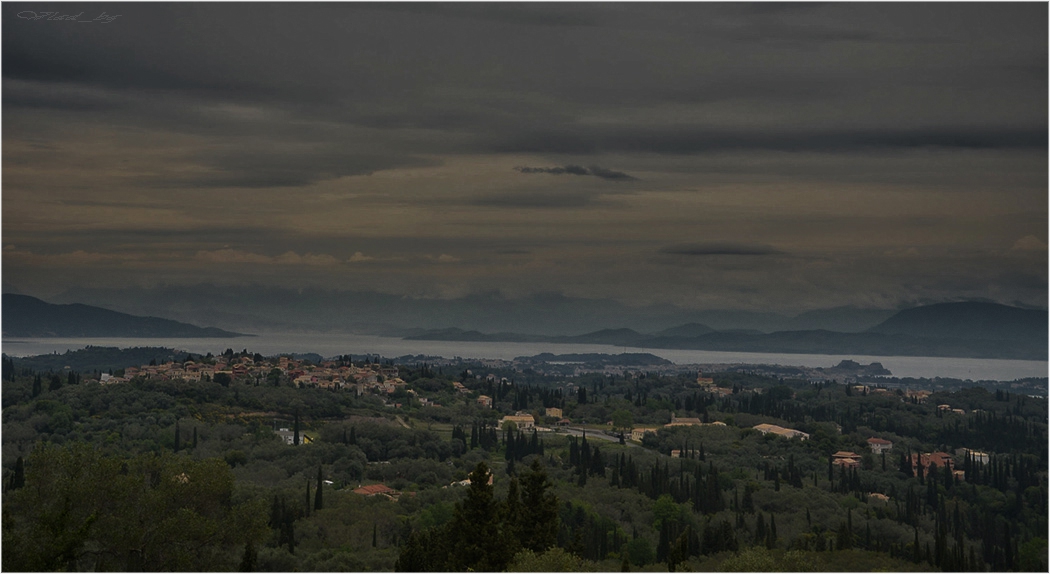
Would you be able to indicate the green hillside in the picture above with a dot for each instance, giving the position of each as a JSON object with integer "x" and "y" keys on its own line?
{"x": 191, "y": 474}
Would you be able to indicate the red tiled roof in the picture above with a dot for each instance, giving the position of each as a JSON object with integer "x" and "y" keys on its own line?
{"x": 940, "y": 458}
{"x": 372, "y": 489}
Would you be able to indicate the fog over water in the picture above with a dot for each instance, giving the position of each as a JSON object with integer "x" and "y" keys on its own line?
{"x": 337, "y": 344}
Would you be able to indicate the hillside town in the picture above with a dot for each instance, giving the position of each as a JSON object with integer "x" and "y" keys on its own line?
{"x": 331, "y": 375}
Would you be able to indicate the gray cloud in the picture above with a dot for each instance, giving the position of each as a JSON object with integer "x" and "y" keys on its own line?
{"x": 286, "y": 168}
{"x": 536, "y": 200}
{"x": 610, "y": 174}
{"x": 836, "y": 129}
{"x": 679, "y": 140}
{"x": 579, "y": 170}
{"x": 719, "y": 248}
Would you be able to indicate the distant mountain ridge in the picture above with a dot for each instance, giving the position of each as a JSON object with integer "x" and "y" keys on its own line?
{"x": 978, "y": 330}
{"x": 623, "y": 359}
{"x": 687, "y": 330}
{"x": 255, "y": 308}
{"x": 25, "y": 316}
{"x": 967, "y": 320}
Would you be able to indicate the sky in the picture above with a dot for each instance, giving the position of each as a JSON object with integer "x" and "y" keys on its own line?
{"x": 769, "y": 157}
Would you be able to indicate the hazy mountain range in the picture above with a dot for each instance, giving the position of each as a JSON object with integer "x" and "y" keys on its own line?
{"x": 966, "y": 329}
{"x": 273, "y": 309}
{"x": 25, "y": 316}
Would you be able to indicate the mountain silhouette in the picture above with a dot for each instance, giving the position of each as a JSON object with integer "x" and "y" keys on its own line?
{"x": 25, "y": 316}
{"x": 969, "y": 320}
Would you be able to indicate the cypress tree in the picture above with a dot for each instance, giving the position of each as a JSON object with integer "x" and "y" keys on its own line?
{"x": 249, "y": 559}
{"x": 849, "y": 527}
{"x": 663, "y": 548}
{"x": 194, "y": 437}
{"x": 276, "y": 515}
{"x": 295, "y": 438}
{"x": 375, "y": 538}
{"x": 291, "y": 536}
{"x": 19, "y": 478}
{"x": 178, "y": 436}
{"x": 597, "y": 467}
{"x": 539, "y": 517}
{"x": 318, "y": 502}
{"x": 748, "y": 504}
{"x": 479, "y": 541}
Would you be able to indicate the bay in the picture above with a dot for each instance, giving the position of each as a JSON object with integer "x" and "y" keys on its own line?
{"x": 329, "y": 345}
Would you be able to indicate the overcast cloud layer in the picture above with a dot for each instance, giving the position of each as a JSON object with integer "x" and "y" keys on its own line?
{"x": 744, "y": 156}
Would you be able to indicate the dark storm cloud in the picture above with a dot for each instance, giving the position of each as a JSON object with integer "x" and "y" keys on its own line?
{"x": 362, "y": 66}
{"x": 579, "y": 170}
{"x": 142, "y": 54}
{"x": 610, "y": 174}
{"x": 573, "y": 169}
{"x": 22, "y": 94}
{"x": 719, "y": 248}
{"x": 697, "y": 140}
{"x": 174, "y": 100}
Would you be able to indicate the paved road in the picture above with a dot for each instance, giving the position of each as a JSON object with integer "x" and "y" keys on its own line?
{"x": 593, "y": 434}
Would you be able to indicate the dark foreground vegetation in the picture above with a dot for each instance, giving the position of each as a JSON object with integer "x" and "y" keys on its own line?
{"x": 183, "y": 475}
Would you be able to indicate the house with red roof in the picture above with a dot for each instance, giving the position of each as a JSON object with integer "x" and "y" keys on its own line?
{"x": 921, "y": 463}
{"x": 377, "y": 489}
{"x": 846, "y": 459}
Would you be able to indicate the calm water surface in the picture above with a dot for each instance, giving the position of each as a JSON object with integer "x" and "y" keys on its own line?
{"x": 336, "y": 344}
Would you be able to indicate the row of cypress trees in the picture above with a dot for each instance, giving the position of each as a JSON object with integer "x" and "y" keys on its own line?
{"x": 485, "y": 533}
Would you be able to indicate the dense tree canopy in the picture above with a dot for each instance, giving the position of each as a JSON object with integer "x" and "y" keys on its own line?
{"x": 192, "y": 475}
